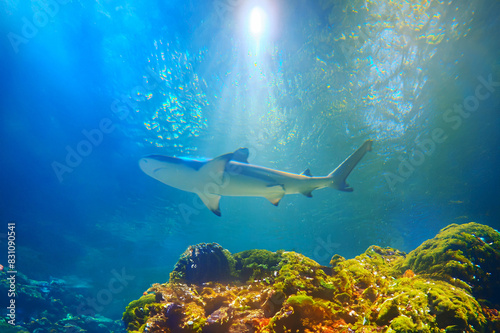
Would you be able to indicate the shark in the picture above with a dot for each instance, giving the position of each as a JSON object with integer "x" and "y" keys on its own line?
{"x": 231, "y": 175}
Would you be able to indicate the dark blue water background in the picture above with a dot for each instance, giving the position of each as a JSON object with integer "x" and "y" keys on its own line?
{"x": 185, "y": 78}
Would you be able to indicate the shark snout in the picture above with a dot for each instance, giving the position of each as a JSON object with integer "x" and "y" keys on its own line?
{"x": 150, "y": 166}
{"x": 145, "y": 164}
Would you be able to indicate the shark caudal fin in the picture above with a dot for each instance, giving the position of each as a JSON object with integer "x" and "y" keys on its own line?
{"x": 340, "y": 174}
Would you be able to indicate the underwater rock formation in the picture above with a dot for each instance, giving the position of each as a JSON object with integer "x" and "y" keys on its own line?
{"x": 466, "y": 255}
{"x": 201, "y": 263}
{"x": 381, "y": 290}
{"x": 51, "y": 306}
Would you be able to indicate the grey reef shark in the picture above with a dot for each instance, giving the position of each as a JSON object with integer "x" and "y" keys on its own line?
{"x": 231, "y": 175}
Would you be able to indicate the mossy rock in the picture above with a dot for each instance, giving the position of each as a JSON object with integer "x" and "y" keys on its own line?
{"x": 367, "y": 275}
{"x": 299, "y": 273}
{"x": 429, "y": 304}
{"x": 136, "y": 313}
{"x": 256, "y": 264}
{"x": 466, "y": 255}
{"x": 403, "y": 324}
{"x": 302, "y": 311}
{"x": 309, "y": 308}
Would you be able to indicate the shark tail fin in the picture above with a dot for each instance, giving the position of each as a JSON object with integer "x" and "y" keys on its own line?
{"x": 340, "y": 174}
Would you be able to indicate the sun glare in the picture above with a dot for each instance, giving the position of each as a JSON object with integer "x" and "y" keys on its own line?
{"x": 257, "y": 21}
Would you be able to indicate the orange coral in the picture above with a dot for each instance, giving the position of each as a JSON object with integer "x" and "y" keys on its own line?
{"x": 260, "y": 322}
{"x": 409, "y": 274}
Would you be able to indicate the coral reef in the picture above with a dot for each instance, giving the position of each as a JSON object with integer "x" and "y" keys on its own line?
{"x": 51, "y": 306}
{"x": 431, "y": 289}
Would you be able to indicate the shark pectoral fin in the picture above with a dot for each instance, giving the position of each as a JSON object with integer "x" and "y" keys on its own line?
{"x": 278, "y": 191}
{"x": 275, "y": 200}
{"x": 213, "y": 170}
{"x": 241, "y": 155}
{"x": 211, "y": 178}
{"x": 212, "y": 202}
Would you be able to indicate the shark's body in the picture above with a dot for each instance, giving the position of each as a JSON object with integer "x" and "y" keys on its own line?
{"x": 231, "y": 175}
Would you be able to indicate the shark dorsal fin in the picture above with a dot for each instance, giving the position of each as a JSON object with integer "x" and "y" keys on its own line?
{"x": 307, "y": 173}
{"x": 241, "y": 155}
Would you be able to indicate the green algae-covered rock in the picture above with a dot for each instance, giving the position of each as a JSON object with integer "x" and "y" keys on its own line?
{"x": 299, "y": 273}
{"x": 370, "y": 268}
{"x": 136, "y": 311}
{"x": 273, "y": 292}
{"x": 422, "y": 304}
{"x": 466, "y": 255}
{"x": 256, "y": 264}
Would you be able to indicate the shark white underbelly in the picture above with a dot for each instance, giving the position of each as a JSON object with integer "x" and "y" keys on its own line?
{"x": 231, "y": 175}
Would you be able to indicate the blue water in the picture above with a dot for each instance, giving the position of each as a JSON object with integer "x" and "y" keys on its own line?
{"x": 88, "y": 88}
